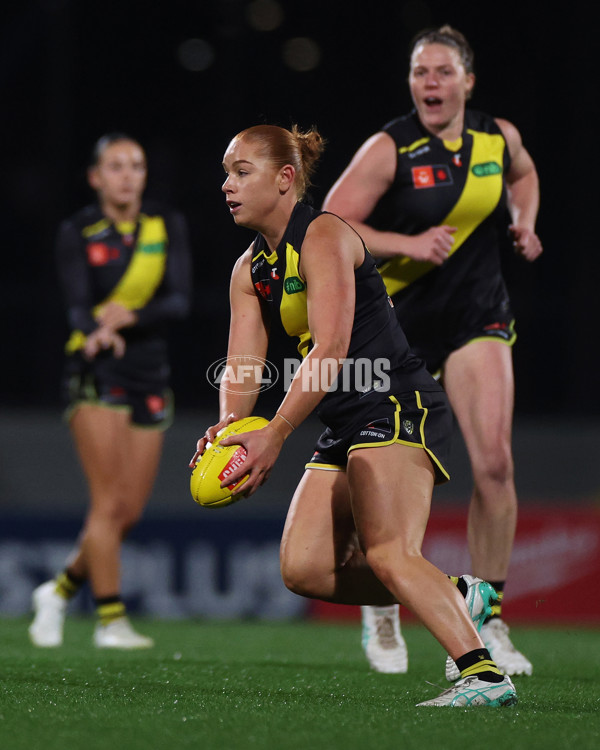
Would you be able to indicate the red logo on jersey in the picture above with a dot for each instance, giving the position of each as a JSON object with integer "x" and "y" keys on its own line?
{"x": 263, "y": 287}
{"x": 99, "y": 254}
{"x": 423, "y": 177}
{"x": 155, "y": 404}
{"x": 431, "y": 176}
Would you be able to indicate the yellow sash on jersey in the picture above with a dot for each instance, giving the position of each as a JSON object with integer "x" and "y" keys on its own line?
{"x": 477, "y": 201}
{"x": 142, "y": 276}
{"x": 293, "y": 310}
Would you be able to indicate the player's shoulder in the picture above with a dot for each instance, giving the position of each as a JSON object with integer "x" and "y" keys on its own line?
{"x": 78, "y": 222}
{"x": 152, "y": 207}
{"x": 481, "y": 122}
{"x": 404, "y": 129}
{"x": 85, "y": 215}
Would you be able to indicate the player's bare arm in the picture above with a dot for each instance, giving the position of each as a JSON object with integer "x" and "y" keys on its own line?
{"x": 328, "y": 244}
{"x": 367, "y": 178}
{"x": 248, "y": 341}
{"x": 523, "y": 194}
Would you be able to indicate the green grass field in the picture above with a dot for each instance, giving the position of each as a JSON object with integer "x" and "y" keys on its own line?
{"x": 281, "y": 686}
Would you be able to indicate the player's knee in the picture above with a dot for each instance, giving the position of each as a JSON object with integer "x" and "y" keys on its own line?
{"x": 294, "y": 577}
{"x": 394, "y": 564}
{"x": 494, "y": 466}
{"x": 300, "y": 576}
{"x": 386, "y": 569}
{"x": 297, "y": 584}
{"x": 118, "y": 511}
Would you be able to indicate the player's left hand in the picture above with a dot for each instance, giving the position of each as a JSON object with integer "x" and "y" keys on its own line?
{"x": 526, "y": 243}
{"x": 210, "y": 435}
{"x": 263, "y": 447}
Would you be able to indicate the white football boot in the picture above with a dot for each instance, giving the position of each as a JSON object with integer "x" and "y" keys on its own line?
{"x": 479, "y": 599}
{"x": 50, "y": 609}
{"x": 508, "y": 660}
{"x": 382, "y": 640}
{"x": 471, "y": 691}
{"x": 120, "y": 634}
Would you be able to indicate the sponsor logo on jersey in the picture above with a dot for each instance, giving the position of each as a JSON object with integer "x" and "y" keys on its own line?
{"x": 382, "y": 425}
{"x": 432, "y": 175}
{"x": 293, "y": 285}
{"x": 372, "y": 433}
{"x": 99, "y": 254}
{"x": 263, "y": 287}
{"x": 257, "y": 265}
{"x": 418, "y": 152}
{"x": 486, "y": 169}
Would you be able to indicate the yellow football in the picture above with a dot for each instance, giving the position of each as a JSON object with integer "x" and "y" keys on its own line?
{"x": 218, "y": 462}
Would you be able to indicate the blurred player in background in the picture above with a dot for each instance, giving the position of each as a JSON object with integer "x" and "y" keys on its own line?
{"x": 356, "y": 522}
{"x": 125, "y": 269}
{"x": 429, "y": 195}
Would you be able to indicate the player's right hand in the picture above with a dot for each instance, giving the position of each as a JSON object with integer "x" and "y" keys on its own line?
{"x": 433, "y": 245}
{"x": 103, "y": 339}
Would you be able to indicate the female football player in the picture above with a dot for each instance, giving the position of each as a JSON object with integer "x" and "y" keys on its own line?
{"x": 125, "y": 270}
{"x": 429, "y": 194}
{"x": 356, "y": 522}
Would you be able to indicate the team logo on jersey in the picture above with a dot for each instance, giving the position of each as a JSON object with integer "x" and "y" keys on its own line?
{"x": 432, "y": 175}
{"x": 100, "y": 254}
{"x": 486, "y": 169}
{"x": 293, "y": 285}
{"x": 409, "y": 427}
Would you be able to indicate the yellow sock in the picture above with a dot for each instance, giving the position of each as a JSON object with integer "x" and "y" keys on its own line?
{"x": 479, "y": 662}
{"x": 109, "y": 611}
{"x": 66, "y": 586}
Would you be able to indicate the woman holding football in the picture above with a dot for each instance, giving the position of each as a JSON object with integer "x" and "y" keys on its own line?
{"x": 124, "y": 265}
{"x": 429, "y": 194}
{"x": 355, "y": 526}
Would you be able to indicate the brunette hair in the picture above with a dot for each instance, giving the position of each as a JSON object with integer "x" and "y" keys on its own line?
{"x": 107, "y": 140}
{"x": 451, "y": 38}
{"x": 281, "y": 146}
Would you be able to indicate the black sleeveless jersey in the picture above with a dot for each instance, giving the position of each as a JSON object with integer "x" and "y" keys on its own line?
{"x": 456, "y": 183}
{"x": 93, "y": 255}
{"x": 376, "y": 334}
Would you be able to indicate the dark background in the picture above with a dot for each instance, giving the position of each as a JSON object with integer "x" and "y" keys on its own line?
{"x": 71, "y": 70}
